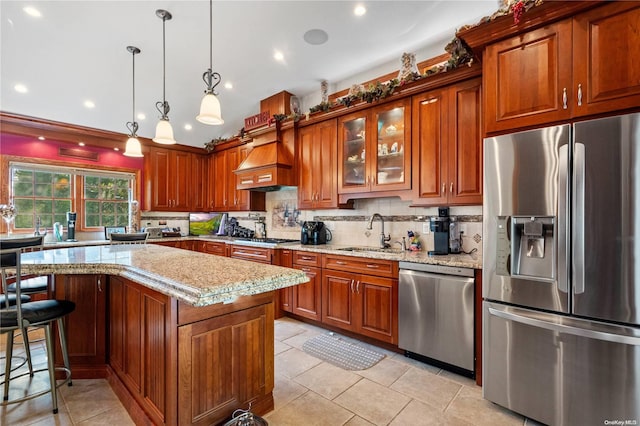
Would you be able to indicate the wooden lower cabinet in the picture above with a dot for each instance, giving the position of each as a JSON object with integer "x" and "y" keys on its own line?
{"x": 140, "y": 350}
{"x": 175, "y": 364}
{"x": 85, "y": 326}
{"x": 361, "y": 303}
{"x": 213, "y": 247}
{"x": 224, "y": 363}
{"x": 306, "y": 297}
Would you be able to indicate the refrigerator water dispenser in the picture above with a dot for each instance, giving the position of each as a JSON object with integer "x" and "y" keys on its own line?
{"x": 533, "y": 247}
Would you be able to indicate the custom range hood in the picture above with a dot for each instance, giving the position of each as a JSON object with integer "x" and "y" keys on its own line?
{"x": 269, "y": 165}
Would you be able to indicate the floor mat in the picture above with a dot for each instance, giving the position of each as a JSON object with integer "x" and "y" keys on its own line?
{"x": 341, "y": 353}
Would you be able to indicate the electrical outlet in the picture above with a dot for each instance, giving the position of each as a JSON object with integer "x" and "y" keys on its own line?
{"x": 463, "y": 228}
{"x": 426, "y": 228}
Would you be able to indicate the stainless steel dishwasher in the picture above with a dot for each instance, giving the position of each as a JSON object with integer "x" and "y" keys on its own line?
{"x": 436, "y": 314}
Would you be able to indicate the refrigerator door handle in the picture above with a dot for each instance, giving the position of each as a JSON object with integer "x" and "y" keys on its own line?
{"x": 567, "y": 329}
{"x": 578, "y": 218}
{"x": 563, "y": 194}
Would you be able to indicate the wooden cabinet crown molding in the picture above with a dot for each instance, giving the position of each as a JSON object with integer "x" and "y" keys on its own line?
{"x": 434, "y": 81}
{"x": 477, "y": 37}
{"x": 65, "y": 132}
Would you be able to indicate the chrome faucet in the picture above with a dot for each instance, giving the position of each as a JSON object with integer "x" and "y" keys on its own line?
{"x": 383, "y": 238}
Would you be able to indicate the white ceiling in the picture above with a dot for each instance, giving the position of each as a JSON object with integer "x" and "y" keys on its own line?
{"x": 76, "y": 51}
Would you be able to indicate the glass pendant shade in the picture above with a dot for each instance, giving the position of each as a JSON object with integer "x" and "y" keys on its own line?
{"x": 133, "y": 148}
{"x": 164, "y": 133}
{"x": 210, "y": 110}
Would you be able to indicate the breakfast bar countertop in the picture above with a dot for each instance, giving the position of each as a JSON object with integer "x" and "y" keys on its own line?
{"x": 198, "y": 279}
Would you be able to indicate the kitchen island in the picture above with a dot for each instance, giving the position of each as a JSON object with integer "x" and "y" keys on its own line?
{"x": 183, "y": 337}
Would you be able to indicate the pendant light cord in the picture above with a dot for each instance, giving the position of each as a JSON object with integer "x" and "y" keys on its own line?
{"x": 164, "y": 76}
{"x": 133, "y": 79}
{"x": 210, "y": 35}
{"x": 132, "y": 125}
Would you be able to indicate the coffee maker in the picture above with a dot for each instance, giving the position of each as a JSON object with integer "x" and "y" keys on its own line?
{"x": 439, "y": 226}
{"x": 71, "y": 226}
{"x": 314, "y": 233}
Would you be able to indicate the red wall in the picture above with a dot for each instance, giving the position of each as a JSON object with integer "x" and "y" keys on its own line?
{"x": 25, "y": 146}
{"x": 48, "y": 149}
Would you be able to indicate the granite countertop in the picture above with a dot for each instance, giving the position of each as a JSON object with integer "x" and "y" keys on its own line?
{"x": 472, "y": 260}
{"x": 198, "y": 279}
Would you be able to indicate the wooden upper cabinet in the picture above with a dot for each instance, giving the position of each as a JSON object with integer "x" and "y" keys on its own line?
{"x": 580, "y": 66}
{"x": 527, "y": 78}
{"x": 465, "y": 143}
{"x": 374, "y": 149}
{"x": 224, "y": 196}
{"x": 199, "y": 182}
{"x": 606, "y": 64}
{"x": 430, "y": 136}
{"x": 318, "y": 166}
{"x": 168, "y": 180}
{"x": 448, "y": 145}
{"x": 218, "y": 181}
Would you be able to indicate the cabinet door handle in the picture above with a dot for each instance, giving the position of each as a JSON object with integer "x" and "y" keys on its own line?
{"x": 444, "y": 187}
{"x": 372, "y": 266}
{"x": 351, "y": 285}
{"x": 564, "y": 98}
{"x": 579, "y": 94}
{"x": 99, "y": 285}
{"x": 306, "y": 258}
{"x": 305, "y": 269}
{"x": 340, "y": 262}
{"x": 451, "y": 188}
{"x": 358, "y": 287}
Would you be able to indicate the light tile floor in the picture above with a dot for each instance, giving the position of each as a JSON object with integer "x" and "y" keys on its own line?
{"x": 397, "y": 391}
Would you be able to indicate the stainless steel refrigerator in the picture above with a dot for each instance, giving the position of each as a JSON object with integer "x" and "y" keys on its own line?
{"x": 561, "y": 272}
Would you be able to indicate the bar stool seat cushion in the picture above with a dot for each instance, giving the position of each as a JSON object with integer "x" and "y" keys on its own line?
{"x": 11, "y": 297}
{"x": 31, "y": 285}
{"x": 36, "y": 313}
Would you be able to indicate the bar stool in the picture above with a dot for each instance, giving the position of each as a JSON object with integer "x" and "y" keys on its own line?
{"x": 39, "y": 314}
{"x": 32, "y": 285}
{"x": 131, "y": 238}
{"x": 28, "y": 285}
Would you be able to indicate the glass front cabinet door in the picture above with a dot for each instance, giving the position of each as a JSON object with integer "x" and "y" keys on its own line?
{"x": 374, "y": 148}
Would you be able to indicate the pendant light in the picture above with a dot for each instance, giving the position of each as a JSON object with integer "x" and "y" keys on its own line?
{"x": 210, "y": 106}
{"x": 133, "y": 148}
{"x": 164, "y": 132}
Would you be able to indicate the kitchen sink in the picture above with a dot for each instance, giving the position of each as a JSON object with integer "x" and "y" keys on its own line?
{"x": 372, "y": 249}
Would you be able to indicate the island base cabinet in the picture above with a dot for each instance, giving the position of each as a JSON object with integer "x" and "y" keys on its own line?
{"x": 85, "y": 326}
{"x": 225, "y": 363}
{"x": 140, "y": 336}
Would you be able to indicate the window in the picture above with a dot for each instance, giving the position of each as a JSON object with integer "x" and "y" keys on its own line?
{"x": 101, "y": 198}
{"x": 106, "y": 201}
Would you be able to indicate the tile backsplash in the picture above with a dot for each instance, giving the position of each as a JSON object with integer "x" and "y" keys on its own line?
{"x": 348, "y": 227}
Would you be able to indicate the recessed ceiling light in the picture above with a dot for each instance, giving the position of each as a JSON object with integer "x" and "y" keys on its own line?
{"x": 20, "y": 88}
{"x": 40, "y": 138}
{"x": 141, "y": 116}
{"x": 89, "y": 104}
{"x": 316, "y": 36}
{"x": 359, "y": 10}
{"x": 81, "y": 143}
{"x": 278, "y": 56}
{"x": 228, "y": 85}
{"x": 32, "y": 11}
{"x": 188, "y": 127}
{"x": 116, "y": 149}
